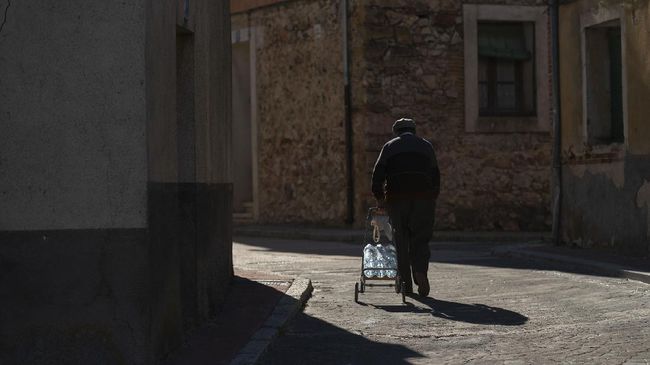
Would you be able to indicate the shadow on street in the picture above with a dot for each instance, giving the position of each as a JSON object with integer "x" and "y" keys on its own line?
{"x": 247, "y": 306}
{"x": 329, "y": 344}
{"x": 457, "y": 253}
{"x": 459, "y": 312}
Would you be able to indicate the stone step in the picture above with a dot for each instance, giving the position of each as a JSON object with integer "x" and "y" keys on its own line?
{"x": 244, "y": 215}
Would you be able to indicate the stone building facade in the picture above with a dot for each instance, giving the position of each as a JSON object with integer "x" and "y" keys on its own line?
{"x": 115, "y": 177}
{"x": 605, "y": 81}
{"x": 406, "y": 58}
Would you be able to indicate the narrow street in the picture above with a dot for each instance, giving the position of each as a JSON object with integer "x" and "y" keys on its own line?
{"x": 483, "y": 309}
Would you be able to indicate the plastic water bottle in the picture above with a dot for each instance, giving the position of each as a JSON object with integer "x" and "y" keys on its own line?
{"x": 391, "y": 260}
{"x": 367, "y": 257}
{"x": 380, "y": 263}
{"x": 369, "y": 260}
{"x": 376, "y": 261}
{"x": 381, "y": 250}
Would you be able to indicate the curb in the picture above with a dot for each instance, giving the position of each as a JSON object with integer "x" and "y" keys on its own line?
{"x": 297, "y": 234}
{"x": 613, "y": 270}
{"x": 290, "y": 305}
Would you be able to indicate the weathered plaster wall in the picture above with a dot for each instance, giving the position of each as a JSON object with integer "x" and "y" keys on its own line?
{"x": 637, "y": 44}
{"x": 109, "y": 252}
{"x": 606, "y": 204}
{"x": 73, "y": 174}
{"x": 72, "y": 147}
{"x": 605, "y": 187}
{"x": 414, "y": 67}
{"x": 301, "y": 147}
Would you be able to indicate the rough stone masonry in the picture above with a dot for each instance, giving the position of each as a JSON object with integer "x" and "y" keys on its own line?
{"x": 407, "y": 59}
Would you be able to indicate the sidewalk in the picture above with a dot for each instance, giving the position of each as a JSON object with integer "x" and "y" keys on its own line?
{"x": 592, "y": 260}
{"x": 257, "y": 306}
{"x": 355, "y": 235}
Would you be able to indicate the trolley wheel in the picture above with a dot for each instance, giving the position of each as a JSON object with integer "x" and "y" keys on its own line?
{"x": 403, "y": 290}
{"x": 398, "y": 285}
{"x": 356, "y": 292}
{"x": 362, "y": 285}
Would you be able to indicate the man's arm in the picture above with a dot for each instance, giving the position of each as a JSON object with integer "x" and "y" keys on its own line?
{"x": 379, "y": 176}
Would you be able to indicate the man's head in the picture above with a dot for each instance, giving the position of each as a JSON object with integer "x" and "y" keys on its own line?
{"x": 404, "y": 125}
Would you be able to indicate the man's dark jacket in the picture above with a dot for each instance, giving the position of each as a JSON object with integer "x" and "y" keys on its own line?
{"x": 408, "y": 165}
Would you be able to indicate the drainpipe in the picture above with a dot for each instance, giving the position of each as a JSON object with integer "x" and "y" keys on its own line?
{"x": 557, "y": 126}
{"x": 348, "y": 114}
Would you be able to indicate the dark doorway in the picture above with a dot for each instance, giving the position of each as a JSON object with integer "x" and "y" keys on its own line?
{"x": 604, "y": 83}
{"x": 242, "y": 133}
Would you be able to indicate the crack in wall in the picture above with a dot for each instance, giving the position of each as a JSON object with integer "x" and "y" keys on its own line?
{"x": 4, "y": 20}
{"x": 643, "y": 200}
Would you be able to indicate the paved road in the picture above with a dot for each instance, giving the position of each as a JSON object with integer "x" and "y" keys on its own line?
{"x": 484, "y": 310}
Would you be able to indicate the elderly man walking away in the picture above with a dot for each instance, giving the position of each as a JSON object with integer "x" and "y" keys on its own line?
{"x": 407, "y": 165}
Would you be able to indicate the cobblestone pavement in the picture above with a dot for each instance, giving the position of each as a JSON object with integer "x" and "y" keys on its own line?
{"x": 484, "y": 310}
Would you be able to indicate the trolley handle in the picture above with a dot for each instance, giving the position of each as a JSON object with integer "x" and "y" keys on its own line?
{"x": 373, "y": 211}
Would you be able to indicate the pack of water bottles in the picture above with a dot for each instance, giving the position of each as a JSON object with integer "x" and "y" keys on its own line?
{"x": 380, "y": 261}
{"x": 380, "y": 256}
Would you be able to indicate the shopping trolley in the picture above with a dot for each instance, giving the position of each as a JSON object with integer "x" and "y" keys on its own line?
{"x": 376, "y": 234}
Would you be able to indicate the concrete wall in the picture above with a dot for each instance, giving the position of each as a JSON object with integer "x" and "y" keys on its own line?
{"x": 606, "y": 186}
{"x": 87, "y": 97}
{"x": 73, "y": 183}
{"x": 189, "y": 194}
{"x": 299, "y": 80}
{"x": 115, "y": 199}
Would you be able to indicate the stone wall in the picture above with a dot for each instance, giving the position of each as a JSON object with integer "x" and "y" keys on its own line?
{"x": 406, "y": 60}
{"x": 414, "y": 67}
{"x": 301, "y": 140}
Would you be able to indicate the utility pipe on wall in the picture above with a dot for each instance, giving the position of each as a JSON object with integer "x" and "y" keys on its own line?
{"x": 557, "y": 126}
{"x": 349, "y": 162}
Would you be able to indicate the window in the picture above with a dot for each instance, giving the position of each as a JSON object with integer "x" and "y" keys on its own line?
{"x": 506, "y": 68}
{"x": 603, "y": 83}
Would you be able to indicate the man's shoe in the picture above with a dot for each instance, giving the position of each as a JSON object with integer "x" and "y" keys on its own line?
{"x": 423, "y": 283}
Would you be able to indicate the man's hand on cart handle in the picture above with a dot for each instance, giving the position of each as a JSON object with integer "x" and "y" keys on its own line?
{"x": 381, "y": 206}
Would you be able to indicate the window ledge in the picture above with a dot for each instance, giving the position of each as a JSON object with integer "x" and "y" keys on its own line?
{"x": 599, "y": 154}
{"x": 507, "y": 124}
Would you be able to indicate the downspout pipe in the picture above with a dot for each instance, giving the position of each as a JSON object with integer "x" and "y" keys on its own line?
{"x": 349, "y": 161}
{"x": 557, "y": 123}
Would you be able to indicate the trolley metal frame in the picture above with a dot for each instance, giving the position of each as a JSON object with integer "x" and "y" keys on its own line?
{"x": 396, "y": 282}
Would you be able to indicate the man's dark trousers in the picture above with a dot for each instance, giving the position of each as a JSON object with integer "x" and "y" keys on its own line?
{"x": 412, "y": 221}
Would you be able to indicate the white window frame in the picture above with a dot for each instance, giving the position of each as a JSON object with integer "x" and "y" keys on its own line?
{"x": 474, "y": 123}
